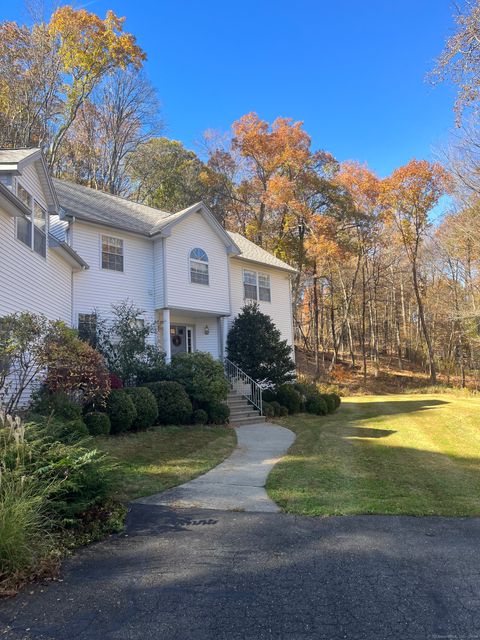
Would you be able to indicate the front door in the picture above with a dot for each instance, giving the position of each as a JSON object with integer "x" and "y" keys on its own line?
{"x": 178, "y": 339}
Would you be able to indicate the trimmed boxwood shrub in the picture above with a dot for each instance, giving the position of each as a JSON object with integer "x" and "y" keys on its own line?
{"x": 68, "y": 431}
{"x": 268, "y": 410}
{"x": 218, "y": 413}
{"x": 146, "y": 406}
{"x": 307, "y": 390}
{"x": 200, "y": 416}
{"x": 98, "y": 424}
{"x": 174, "y": 406}
{"x": 317, "y": 405}
{"x": 283, "y": 411}
{"x": 329, "y": 401}
{"x": 289, "y": 397}
{"x": 336, "y": 399}
{"x": 202, "y": 377}
{"x": 268, "y": 395}
{"x": 276, "y": 407}
{"x": 121, "y": 410}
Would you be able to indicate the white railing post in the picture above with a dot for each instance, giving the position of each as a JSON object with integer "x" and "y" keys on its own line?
{"x": 243, "y": 384}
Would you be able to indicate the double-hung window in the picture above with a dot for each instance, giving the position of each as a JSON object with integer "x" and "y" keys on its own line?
{"x": 24, "y": 224}
{"x": 198, "y": 266}
{"x": 39, "y": 229}
{"x": 264, "y": 287}
{"x": 250, "y": 285}
{"x": 87, "y": 328}
{"x": 112, "y": 253}
{"x": 33, "y": 235}
{"x": 256, "y": 286}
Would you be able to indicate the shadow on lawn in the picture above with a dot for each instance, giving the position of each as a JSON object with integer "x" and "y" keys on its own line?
{"x": 353, "y": 412}
{"x": 388, "y": 407}
{"x": 362, "y": 432}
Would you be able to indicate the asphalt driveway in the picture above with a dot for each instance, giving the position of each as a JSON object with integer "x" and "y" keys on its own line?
{"x": 196, "y": 574}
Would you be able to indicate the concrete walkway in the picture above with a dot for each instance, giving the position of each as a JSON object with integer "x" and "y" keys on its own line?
{"x": 237, "y": 484}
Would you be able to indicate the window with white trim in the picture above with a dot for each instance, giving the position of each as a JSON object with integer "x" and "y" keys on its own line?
{"x": 256, "y": 286}
{"x": 33, "y": 236}
{"x": 87, "y": 328}
{"x": 264, "y": 287}
{"x": 198, "y": 266}
{"x": 39, "y": 229}
{"x": 112, "y": 253}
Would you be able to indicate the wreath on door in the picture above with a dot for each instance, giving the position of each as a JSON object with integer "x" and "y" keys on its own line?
{"x": 177, "y": 341}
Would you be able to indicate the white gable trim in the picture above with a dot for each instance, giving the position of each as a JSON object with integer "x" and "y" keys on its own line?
{"x": 38, "y": 160}
{"x": 11, "y": 204}
{"x": 201, "y": 208}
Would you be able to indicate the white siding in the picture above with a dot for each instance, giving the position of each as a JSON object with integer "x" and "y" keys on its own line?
{"x": 97, "y": 288}
{"x": 279, "y": 309}
{"x": 183, "y": 294}
{"x": 158, "y": 274}
{"x": 28, "y": 282}
{"x": 30, "y": 181}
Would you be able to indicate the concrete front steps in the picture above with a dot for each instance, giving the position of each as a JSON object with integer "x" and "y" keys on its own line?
{"x": 241, "y": 411}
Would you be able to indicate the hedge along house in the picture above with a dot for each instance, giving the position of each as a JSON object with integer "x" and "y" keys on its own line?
{"x": 69, "y": 251}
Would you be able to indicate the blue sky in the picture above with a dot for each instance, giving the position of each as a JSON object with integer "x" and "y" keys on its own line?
{"x": 352, "y": 70}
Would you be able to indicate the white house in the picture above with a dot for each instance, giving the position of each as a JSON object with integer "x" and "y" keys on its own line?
{"x": 68, "y": 251}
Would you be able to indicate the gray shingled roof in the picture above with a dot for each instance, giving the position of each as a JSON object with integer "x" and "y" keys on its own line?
{"x": 95, "y": 206}
{"x": 102, "y": 208}
{"x": 13, "y": 156}
{"x": 251, "y": 251}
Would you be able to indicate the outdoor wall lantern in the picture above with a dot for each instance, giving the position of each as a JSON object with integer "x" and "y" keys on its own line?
{"x": 206, "y": 330}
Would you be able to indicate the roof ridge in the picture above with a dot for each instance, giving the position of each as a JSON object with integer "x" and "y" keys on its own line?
{"x": 113, "y": 196}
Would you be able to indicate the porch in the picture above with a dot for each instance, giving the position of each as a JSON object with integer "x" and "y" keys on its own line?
{"x": 184, "y": 331}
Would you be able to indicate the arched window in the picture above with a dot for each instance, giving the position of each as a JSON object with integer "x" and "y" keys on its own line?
{"x": 198, "y": 266}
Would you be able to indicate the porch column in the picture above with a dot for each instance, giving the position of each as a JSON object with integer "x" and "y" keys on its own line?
{"x": 167, "y": 345}
{"x": 224, "y": 336}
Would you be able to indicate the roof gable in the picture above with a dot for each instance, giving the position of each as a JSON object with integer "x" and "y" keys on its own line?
{"x": 15, "y": 160}
{"x": 165, "y": 226}
{"x": 253, "y": 253}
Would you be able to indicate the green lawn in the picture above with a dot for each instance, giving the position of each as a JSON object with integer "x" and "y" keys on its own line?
{"x": 162, "y": 457}
{"x": 400, "y": 454}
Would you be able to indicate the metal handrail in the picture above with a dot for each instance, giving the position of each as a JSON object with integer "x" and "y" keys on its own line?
{"x": 243, "y": 384}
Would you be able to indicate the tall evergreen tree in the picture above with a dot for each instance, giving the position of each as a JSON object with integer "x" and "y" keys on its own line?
{"x": 255, "y": 345}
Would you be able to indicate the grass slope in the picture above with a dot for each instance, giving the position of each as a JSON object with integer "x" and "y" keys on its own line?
{"x": 163, "y": 457}
{"x": 400, "y": 454}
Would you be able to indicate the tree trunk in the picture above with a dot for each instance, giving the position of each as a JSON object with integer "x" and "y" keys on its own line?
{"x": 423, "y": 324}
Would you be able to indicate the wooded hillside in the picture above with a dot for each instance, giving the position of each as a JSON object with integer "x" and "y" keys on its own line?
{"x": 387, "y": 266}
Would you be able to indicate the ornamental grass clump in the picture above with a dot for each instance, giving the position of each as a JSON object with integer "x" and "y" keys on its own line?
{"x": 49, "y": 489}
{"x": 24, "y": 522}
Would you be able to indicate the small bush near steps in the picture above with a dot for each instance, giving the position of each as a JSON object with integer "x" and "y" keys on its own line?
{"x": 200, "y": 416}
{"x": 218, "y": 413}
{"x": 268, "y": 410}
{"x": 174, "y": 406}
{"x": 289, "y": 397}
{"x": 317, "y": 405}
{"x": 292, "y": 398}
{"x": 201, "y": 376}
{"x": 329, "y": 401}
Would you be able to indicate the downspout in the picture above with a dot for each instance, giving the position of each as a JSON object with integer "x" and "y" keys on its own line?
{"x": 72, "y": 288}
{"x": 224, "y": 321}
